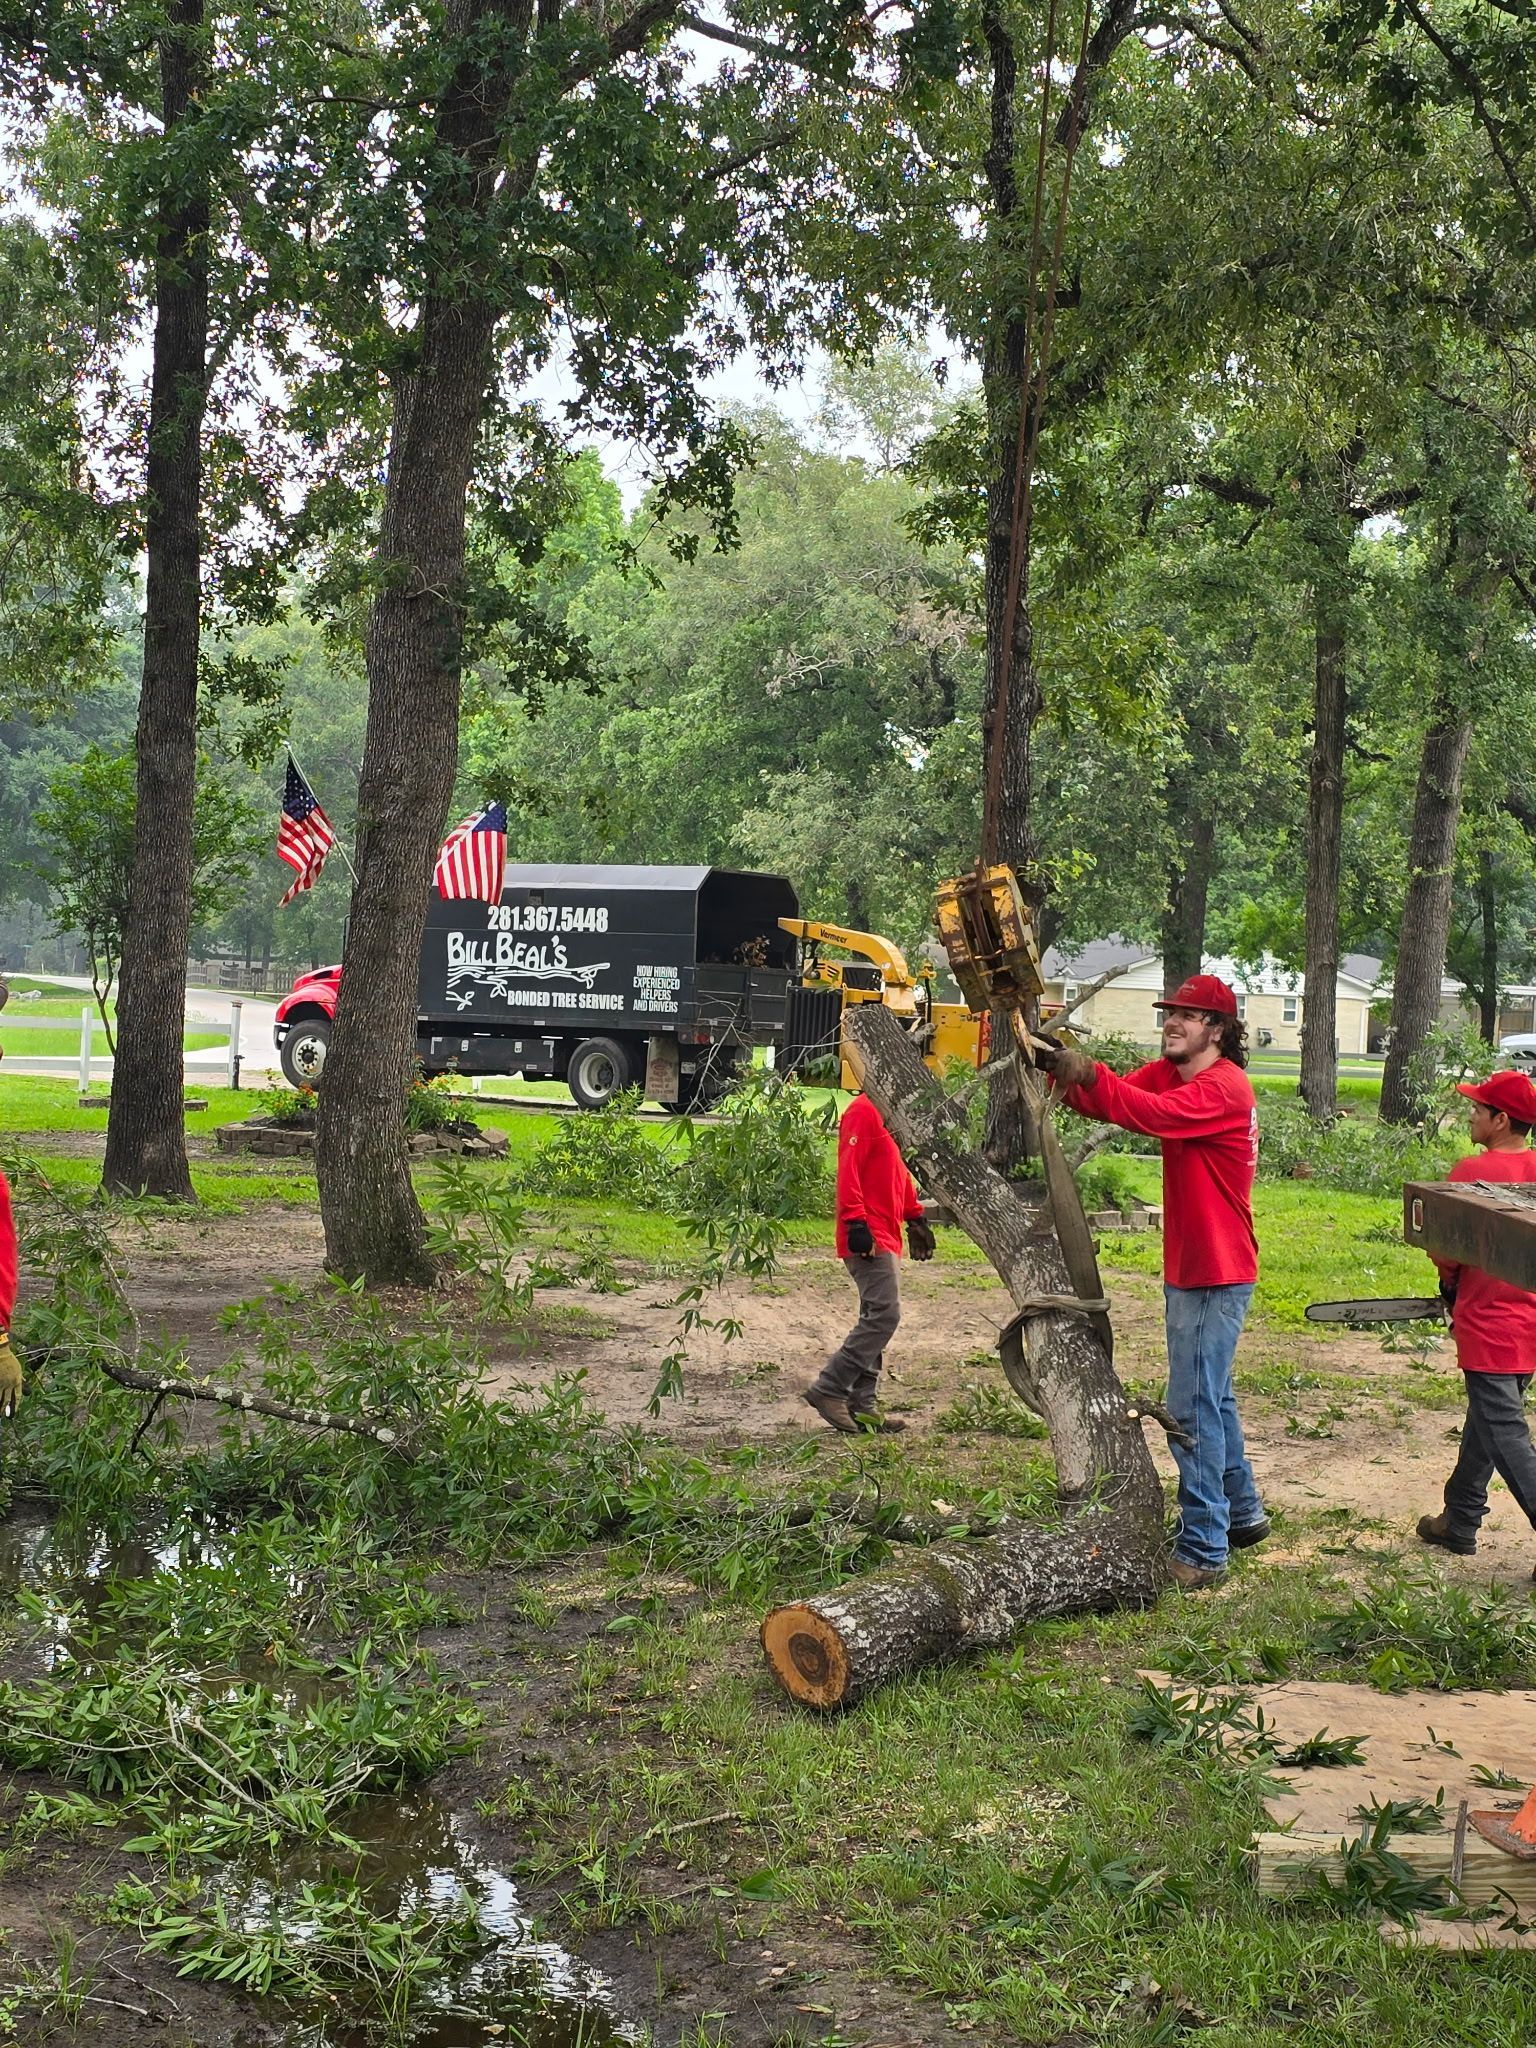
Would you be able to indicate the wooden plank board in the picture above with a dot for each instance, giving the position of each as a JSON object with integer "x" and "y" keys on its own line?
{"x": 1281, "y": 1864}
{"x": 1487, "y": 1224}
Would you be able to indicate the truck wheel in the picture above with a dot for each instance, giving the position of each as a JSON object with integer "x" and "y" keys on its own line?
{"x": 598, "y": 1071}
{"x": 703, "y": 1091}
{"x": 304, "y": 1049}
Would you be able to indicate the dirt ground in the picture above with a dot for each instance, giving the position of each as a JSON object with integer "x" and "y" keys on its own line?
{"x": 1376, "y": 1448}
{"x": 1333, "y": 1422}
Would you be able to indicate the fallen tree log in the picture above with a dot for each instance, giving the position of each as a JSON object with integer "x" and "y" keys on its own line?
{"x": 1107, "y": 1551}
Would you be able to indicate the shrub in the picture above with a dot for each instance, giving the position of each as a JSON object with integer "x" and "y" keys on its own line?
{"x": 1105, "y": 1182}
{"x": 599, "y": 1155}
{"x": 1356, "y": 1154}
{"x": 430, "y": 1106}
{"x": 294, "y": 1108}
{"x": 766, "y": 1157}
{"x": 1118, "y": 1051}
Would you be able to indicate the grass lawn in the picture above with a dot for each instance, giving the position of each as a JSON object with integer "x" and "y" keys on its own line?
{"x": 1315, "y": 1243}
{"x": 18, "y": 1043}
{"x": 994, "y": 1834}
{"x": 1354, "y": 1092}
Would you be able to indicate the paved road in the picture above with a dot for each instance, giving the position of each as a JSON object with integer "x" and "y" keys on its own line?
{"x": 208, "y": 1009}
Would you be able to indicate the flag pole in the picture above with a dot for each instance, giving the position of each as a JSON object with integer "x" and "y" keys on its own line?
{"x": 337, "y": 841}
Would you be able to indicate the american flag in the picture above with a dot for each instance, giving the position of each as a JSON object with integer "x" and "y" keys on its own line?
{"x": 473, "y": 861}
{"x": 304, "y": 834}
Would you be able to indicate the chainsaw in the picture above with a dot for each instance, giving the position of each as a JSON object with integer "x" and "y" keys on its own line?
{"x": 1390, "y": 1308}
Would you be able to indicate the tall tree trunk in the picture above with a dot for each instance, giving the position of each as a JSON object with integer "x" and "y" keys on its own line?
{"x": 1426, "y": 916}
{"x": 1189, "y": 882}
{"x": 373, "y": 1224}
{"x": 1011, "y": 700}
{"x": 1488, "y": 913}
{"x": 146, "y": 1138}
{"x": 1325, "y": 821}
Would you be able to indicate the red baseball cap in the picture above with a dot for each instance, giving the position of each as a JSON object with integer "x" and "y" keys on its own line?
{"x": 1508, "y": 1091}
{"x": 1201, "y": 992}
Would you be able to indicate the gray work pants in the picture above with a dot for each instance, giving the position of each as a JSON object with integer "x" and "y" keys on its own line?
{"x": 1494, "y": 1438}
{"x": 852, "y": 1373}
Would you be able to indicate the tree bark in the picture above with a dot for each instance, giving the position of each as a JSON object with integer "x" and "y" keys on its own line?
{"x": 1108, "y": 1551}
{"x": 1189, "y": 881}
{"x": 1426, "y": 915}
{"x": 373, "y": 1224}
{"x": 146, "y": 1135}
{"x": 836, "y": 1649}
{"x": 1011, "y": 697}
{"x": 1319, "y": 1083}
{"x": 1488, "y": 913}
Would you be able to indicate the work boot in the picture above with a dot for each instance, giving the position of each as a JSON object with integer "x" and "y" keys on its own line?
{"x": 877, "y": 1420}
{"x": 1436, "y": 1529}
{"x": 1194, "y": 1578}
{"x": 1244, "y": 1539}
{"x": 833, "y": 1410}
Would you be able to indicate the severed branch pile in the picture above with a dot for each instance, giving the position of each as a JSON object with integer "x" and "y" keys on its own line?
{"x": 1107, "y": 1549}
{"x": 101, "y": 1329}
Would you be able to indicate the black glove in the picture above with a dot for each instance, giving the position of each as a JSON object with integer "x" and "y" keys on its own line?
{"x": 861, "y": 1239}
{"x": 1448, "y": 1296}
{"x": 921, "y": 1242}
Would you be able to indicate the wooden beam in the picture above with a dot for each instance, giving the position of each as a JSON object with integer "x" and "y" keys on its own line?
{"x": 1476, "y": 1223}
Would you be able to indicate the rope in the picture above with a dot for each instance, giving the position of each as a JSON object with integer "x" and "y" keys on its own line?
{"x": 1057, "y": 1305}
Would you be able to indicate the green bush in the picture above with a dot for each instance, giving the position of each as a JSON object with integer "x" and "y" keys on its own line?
{"x": 1415, "y": 1629}
{"x": 294, "y": 1108}
{"x": 431, "y": 1106}
{"x": 1118, "y": 1051}
{"x": 599, "y": 1155}
{"x": 767, "y": 1156}
{"x": 1356, "y": 1154}
{"x": 1105, "y": 1182}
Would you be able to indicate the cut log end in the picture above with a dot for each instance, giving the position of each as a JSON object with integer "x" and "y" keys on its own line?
{"x": 806, "y": 1655}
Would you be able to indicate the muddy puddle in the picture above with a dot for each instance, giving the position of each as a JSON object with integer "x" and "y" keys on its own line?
{"x": 415, "y": 1859}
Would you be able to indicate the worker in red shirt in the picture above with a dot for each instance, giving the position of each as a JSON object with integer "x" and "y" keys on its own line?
{"x": 1199, "y": 1102}
{"x": 875, "y": 1196}
{"x": 1494, "y": 1325}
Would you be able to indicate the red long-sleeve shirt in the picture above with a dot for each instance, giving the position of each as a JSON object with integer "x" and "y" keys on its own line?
{"x": 7, "y": 1255}
{"x": 1209, "y": 1127}
{"x": 1493, "y": 1323}
{"x": 872, "y": 1180}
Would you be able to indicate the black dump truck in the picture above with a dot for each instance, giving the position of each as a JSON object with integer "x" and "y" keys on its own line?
{"x": 606, "y": 978}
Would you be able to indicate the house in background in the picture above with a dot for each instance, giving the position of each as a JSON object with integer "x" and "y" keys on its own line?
{"x": 1270, "y": 998}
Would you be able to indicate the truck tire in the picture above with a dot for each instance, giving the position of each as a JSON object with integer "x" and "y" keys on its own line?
{"x": 304, "y": 1049}
{"x": 703, "y": 1091}
{"x": 599, "y": 1069}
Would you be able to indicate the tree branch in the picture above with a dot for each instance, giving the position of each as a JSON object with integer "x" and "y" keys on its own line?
{"x": 167, "y": 1385}
{"x": 1463, "y": 71}
{"x": 624, "y": 39}
{"x": 1232, "y": 490}
{"x": 772, "y": 53}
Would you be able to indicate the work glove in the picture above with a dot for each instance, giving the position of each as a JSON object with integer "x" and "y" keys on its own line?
{"x": 10, "y": 1378}
{"x": 921, "y": 1242}
{"x": 1448, "y": 1296}
{"x": 1067, "y": 1067}
{"x": 861, "y": 1239}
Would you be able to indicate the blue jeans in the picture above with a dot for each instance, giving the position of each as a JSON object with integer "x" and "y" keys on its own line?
{"x": 1216, "y": 1484}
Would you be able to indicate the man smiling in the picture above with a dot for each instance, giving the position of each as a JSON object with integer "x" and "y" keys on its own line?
{"x": 1199, "y": 1102}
